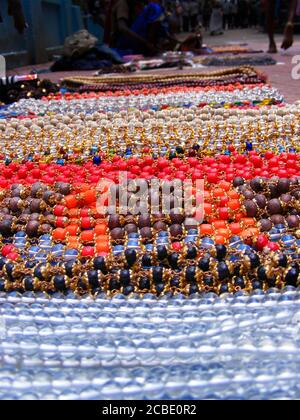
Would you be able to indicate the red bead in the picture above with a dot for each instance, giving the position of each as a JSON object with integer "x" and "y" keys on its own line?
{"x": 273, "y": 246}
{"x": 7, "y": 249}
{"x": 262, "y": 242}
{"x": 177, "y": 246}
{"x": 88, "y": 251}
{"x": 13, "y": 256}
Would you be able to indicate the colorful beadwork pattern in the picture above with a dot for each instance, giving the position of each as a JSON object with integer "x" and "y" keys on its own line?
{"x": 105, "y": 300}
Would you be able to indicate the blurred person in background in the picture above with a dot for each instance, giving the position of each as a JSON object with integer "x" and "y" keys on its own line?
{"x": 131, "y": 26}
{"x": 186, "y": 15}
{"x": 206, "y": 13}
{"x": 194, "y": 14}
{"x": 288, "y": 35}
{"x": 216, "y": 19}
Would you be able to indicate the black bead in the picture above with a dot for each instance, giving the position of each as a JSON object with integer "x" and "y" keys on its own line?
{"x": 193, "y": 289}
{"x": 291, "y": 277}
{"x": 60, "y": 283}
{"x": 2, "y": 285}
{"x": 39, "y": 271}
{"x": 282, "y": 261}
{"x": 128, "y": 289}
{"x": 82, "y": 284}
{"x": 223, "y": 271}
{"x": 28, "y": 284}
{"x": 114, "y": 284}
{"x": 191, "y": 253}
{"x": 124, "y": 277}
{"x": 271, "y": 282}
{"x": 239, "y": 282}
{"x": 130, "y": 255}
{"x": 157, "y": 274}
{"x": 159, "y": 287}
{"x": 179, "y": 150}
{"x": 100, "y": 264}
{"x": 9, "y": 268}
{"x": 30, "y": 264}
{"x": 173, "y": 260}
{"x": 208, "y": 281}
{"x": 224, "y": 288}
{"x": 256, "y": 285}
{"x": 147, "y": 261}
{"x": 221, "y": 251}
{"x": 196, "y": 147}
{"x": 254, "y": 260}
{"x": 144, "y": 283}
{"x": 262, "y": 274}
{"x": 162, "y": 252}
{"x": 175, "y": 282}
{"x": 172, "y": 155}
{"x": 237, "y": 271}
{"x": 3, "y": 261}
{"x": 69, "y": 267}
{"x": 190, "y": 274}
{"x": 204, "y": 264}
{"x": 93, "y": 278}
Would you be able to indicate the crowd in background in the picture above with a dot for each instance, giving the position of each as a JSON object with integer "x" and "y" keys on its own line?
{"x": 233, "y": 13}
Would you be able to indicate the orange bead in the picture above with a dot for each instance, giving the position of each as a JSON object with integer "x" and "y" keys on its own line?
{"x": 217, "y": 192}
{"x": 87, "y": 236}
{"x": 102, "y": 247}
{"x": 220, "y": 240}
{"x": 220, "y": 224}
{"x": 72, "y": 230}
{"x": 248, "y": 221}
{"x": 100, "y": 229}
{"x": 225, "y": 185}
{"x": 59, "y": 234}
{"x": 73, "y": 213}
{"x": 223, "y": 232}
{"x": 208, "y": 209}
{"x": 90, "y": 196}
{"x": 239, "y": 216}
{"x": 71, "y": 201}
{"x": 235, "y": 228}
{"x": 234, "y": 195}
{"x": 73, "y": 242}
{"x": 206, "y": 230}
{"x": 234, "y": 204}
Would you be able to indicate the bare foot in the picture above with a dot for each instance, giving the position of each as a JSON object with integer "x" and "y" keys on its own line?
{"x": 288, "y": 39}
{"x": 272, "y": 48}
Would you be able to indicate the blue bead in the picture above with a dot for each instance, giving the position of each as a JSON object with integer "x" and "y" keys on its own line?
{"x": 133, "y": 236}
{"x": 45, "y": 238}
{"x": 20, "y": 235}
{"x": 162, "y": 241}
{"x": 163, "y": 234}
{"x": 33, "y": 251}
{"x": 97, "y": 160}
{"x": 71, "y": 254}
{"x": 60, "y": 162}
{"x": 193, "y": 232}
{"x": 132, "y": 243}
{"x": 149, "y": 247}
{"x": 249, "y": 146}
{"x": 118, "y": 249}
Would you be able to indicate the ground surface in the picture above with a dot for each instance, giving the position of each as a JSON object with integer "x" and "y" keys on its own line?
{"x": 280, "y": 76}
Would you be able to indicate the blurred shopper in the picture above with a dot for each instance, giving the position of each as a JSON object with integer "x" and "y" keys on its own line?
{"x": 194, "y": 14}
{"x": 216, "y": 20}
{"x": 132, "y": 27}
{"x": 186, "y": 15}
{"x": 206, "y": 13}
{"x": 227, "y": 14}
{"x": 288, "y": 38}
